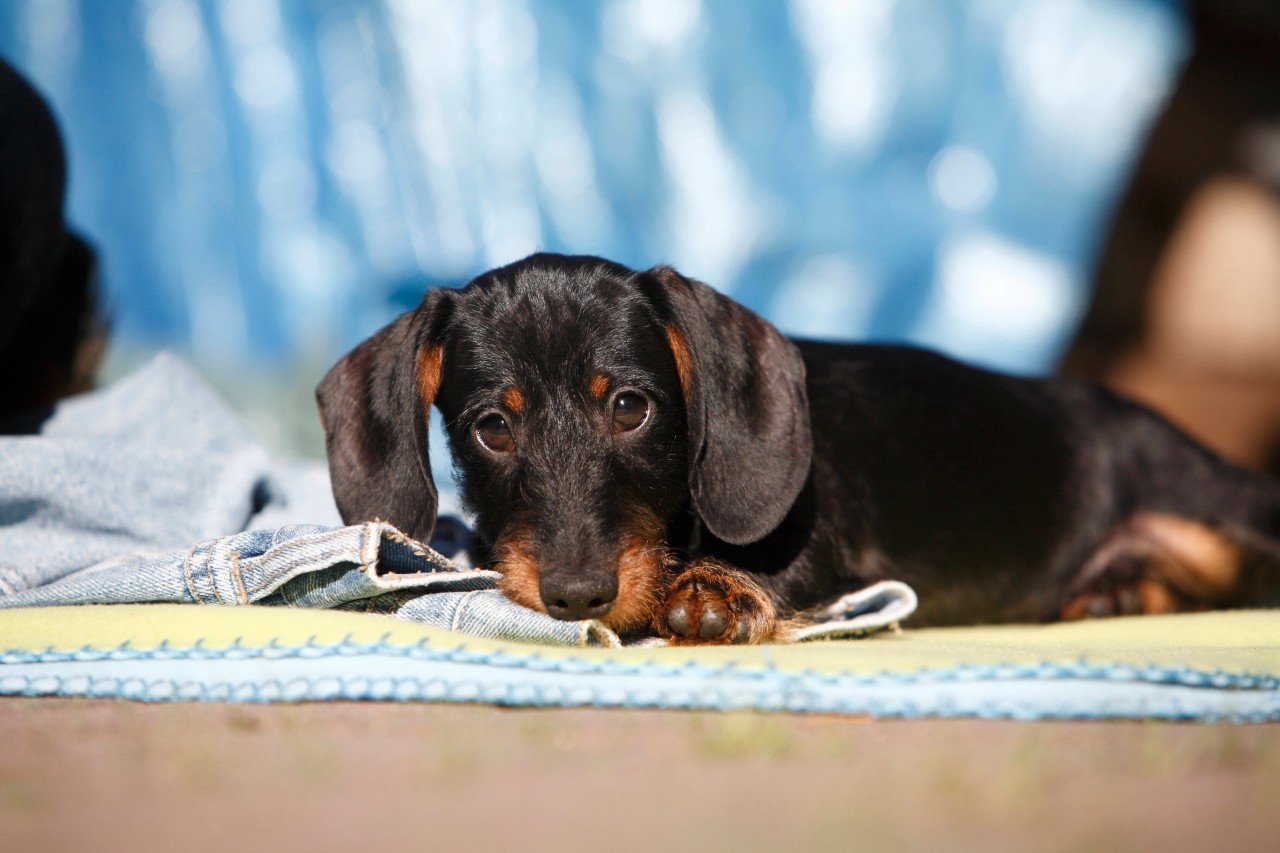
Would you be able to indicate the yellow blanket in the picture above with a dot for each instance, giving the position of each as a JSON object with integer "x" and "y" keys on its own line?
{"x": 1223, "y": 665}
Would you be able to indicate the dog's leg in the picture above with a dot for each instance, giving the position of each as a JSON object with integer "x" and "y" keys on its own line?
{"x": 1158, "y": 564}
{"x": 712, "y": 603}
{"x": 1132, "y": 585}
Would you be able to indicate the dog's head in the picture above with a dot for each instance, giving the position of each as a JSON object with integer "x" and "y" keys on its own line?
{"x": 586, "y": 404}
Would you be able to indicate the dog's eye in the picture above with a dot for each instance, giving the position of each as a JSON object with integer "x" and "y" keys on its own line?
{"x": 629, "y": 411}
{"x": 494, "y": 433}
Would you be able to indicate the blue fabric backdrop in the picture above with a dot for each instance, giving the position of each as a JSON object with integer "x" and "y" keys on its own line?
{"x": 273, "y": 180}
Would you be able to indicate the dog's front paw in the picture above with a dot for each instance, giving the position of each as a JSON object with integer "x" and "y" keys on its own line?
{"x": 712, "y": 603}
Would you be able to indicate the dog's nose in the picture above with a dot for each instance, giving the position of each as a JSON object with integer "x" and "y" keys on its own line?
{"x": 573, "y": 596}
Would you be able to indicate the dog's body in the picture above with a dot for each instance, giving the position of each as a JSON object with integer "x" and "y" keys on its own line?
{"x": 639, "y": 449}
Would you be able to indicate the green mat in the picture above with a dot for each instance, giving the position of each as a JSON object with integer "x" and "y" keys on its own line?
{"x": 1207, "y": 666}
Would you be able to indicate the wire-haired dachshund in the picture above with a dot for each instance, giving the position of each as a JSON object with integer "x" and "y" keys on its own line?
{"x": 639, "y": 449}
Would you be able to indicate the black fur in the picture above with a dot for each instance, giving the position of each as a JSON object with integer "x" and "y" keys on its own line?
{"x": 989, "y": 493}
{"x": 47, "y": 274}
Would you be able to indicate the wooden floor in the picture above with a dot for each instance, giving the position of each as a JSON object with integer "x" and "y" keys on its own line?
{"x": 100, "y": 775}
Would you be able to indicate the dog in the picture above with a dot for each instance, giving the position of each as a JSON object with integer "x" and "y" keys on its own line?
{"x": 639, "y": 449}
{"x": 51, "y": 334}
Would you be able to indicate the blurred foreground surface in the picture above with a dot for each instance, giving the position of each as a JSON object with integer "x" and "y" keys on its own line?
{"x": 119, "y": 776}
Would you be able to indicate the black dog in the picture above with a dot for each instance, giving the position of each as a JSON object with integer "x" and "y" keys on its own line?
{"x": 50, "y": 335}
{"x": 639, "y": 449}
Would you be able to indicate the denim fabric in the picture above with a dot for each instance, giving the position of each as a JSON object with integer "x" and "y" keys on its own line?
{"x": 369, "y": 567}
{"x": 150, "y": 464}
{"x": 101, "y": 507}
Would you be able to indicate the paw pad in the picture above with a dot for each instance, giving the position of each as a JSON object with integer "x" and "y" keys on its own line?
{"x": 706, "y": 606}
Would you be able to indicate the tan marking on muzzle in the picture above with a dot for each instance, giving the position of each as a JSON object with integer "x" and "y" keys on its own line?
{"x": 645, "y": 568}
{"x": 519, "y": 581}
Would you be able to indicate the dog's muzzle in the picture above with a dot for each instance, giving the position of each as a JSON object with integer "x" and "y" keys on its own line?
{"x": 574, "y": 596}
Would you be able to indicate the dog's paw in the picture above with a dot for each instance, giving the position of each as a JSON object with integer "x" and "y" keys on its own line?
{"x": 710, "y": 603}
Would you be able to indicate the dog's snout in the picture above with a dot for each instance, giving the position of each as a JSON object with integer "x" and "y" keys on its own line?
{"x": 574, "y": 595}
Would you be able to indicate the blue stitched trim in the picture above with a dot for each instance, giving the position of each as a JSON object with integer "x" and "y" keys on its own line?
{"x": 441, "y": 690}
{"x": 1152, "y": 673}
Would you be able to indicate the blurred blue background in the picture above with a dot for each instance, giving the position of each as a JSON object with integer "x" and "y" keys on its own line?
{"x": 268, "y": 182}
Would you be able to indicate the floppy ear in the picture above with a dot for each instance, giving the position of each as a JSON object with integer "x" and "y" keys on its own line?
{"x": 373, "y": 406}
{"x": 748, "y": 414}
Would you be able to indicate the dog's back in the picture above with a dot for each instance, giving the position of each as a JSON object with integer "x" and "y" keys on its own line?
{"x": 1008, "y": 498}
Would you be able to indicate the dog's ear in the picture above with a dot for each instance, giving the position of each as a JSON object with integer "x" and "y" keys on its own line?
{"x": 373, "y": 407}
{"x": 748, "y": 414}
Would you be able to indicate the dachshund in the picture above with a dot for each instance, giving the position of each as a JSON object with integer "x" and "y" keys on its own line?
{"x": 639, "y": 449}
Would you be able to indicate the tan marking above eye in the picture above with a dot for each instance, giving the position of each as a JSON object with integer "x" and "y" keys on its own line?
{"x": 599, "y": 385}
{"x": 514, "y": 400}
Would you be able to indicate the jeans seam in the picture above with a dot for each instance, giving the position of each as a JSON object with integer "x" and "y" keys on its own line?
{"x": 191, "y": 583}
{"x": 460, "y": 609}
{"x": 213, "y": 582}
{"x": 364, "y": 558}
{"x": 238, "y": 578}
